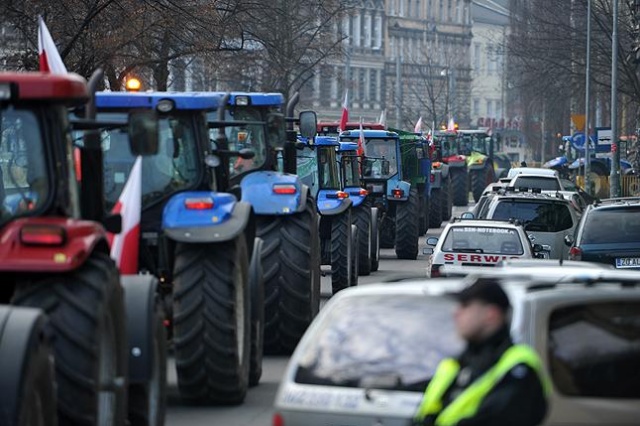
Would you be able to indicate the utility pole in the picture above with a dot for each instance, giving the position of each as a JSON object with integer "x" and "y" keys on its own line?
{"x": 614, "y": 177}
{"x": 587, "y": 158}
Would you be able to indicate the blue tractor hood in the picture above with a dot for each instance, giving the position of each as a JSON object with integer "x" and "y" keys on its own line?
{"x": 150, "y": 100}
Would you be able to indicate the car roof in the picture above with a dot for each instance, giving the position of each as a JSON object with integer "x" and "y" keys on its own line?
{"x": 487, "y": 223}
{"x": 531, "y": 170}
{"x": 554, "y": 196}
{"x": 618, "y": 202}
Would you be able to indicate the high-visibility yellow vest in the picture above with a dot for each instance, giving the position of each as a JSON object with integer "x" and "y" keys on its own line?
{"x": 467, "y": 403}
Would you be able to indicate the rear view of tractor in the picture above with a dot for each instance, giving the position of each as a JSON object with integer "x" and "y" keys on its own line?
{"x": 441, "y": 203}
{"x": 197, "y": 241}
{"x": 477, "y": 147}
{"x": 55, "y": 257}
{"x": 446, "y": 149}
{"x": 391, "y": 192}
{"x": 338, "y": 236}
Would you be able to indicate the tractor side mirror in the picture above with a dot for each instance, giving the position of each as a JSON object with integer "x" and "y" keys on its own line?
{"x": 367, "y": 169}
{"x": 569, "y": 240}
{"x": 112, "y": 223}
{"x": 308, "y": 124}
{"x": 385, "y": 167}
{"x": 143, "y": 132}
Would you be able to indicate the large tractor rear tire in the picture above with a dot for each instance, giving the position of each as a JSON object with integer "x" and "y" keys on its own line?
{"x": 27, "y": 374}
{"x": 407, "y": 226}
{"x": 341, "y": 251}
{"x": 291, "y": 263}
{"x": 435, "y": 211}
{"x": 425, "y": 214}
{"x": 211, "y": 321}
{"x": 353, "y": 278}
{"x": 460, "y": 186}
{"x": 86, "y": 313}
{"x": 362, "y": 219}
{"x": 479, "y": 181}
{"x": 447, "y": 199}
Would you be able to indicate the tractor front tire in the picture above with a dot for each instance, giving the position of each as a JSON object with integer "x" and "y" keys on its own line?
{"x": 479, "y": 179}
{"x": 86, "y": 319}
{"x": 447, "y": 200}
{"x": 211, "y": 321}
{"x": 407, "y": 226}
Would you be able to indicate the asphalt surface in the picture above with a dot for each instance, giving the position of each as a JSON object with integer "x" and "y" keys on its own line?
{"x": 257, "y": 410}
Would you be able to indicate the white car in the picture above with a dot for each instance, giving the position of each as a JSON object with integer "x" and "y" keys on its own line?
{"x": 471, "y": 243}
{"x": 530, "y": 171}
{"x": 548, "y": 183}
{"x": 367, "y": 357}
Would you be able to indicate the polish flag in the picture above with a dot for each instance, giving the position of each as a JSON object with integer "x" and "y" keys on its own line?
{"x": 345, "y": 112}
{"x": 383, "y": 117}
{"x": 360, "y": 150}
{"x": 451, "y": 125}
{"x": 50, "y": 60}
{"x": 418, "y": 127}
{"x": 124, "y": 246}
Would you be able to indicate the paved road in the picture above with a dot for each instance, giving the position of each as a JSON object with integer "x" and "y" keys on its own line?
{"x": 257, "y": 408}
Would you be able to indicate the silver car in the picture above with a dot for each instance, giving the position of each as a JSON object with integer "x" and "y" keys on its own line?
{"x": 368, "y": 356}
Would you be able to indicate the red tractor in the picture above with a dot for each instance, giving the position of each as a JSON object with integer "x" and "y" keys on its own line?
{"x": 106, "y": 332}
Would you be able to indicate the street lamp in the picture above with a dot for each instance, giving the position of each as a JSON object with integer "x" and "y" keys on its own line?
{"x": 450, "y": 73}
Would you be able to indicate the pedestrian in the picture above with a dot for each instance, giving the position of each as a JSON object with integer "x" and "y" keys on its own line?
{"x": 494, "y": 382}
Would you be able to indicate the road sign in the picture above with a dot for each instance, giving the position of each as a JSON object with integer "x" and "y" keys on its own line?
{"x": 603, "y": 136}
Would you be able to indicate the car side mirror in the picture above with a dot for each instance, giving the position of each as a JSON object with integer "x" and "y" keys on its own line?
{"x": 432, "y": 241}
{"x": 467, "y": 215}
{"x": 569, "y": 240}
{"x": 537, "y": 248}
{"x": 143, "y": 132}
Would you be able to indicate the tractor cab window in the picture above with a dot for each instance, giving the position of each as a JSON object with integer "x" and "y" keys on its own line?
{"x": 173, "y": 168}
{"x": 25, "y": 185}
{"x": 328, "y": 174}
{"x": 307, "y": 165}
{"x": 351, "y": 169}
{"x": 379, "y": 150}
{"x": 476, "y": 143}
{"x": 248, "y": 133}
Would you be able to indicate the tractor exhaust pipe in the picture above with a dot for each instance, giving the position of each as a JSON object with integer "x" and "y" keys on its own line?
{"x": 290, "y": 160}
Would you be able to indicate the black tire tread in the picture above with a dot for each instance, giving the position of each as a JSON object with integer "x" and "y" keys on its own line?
{"x": 341, "y": 251}
{"x": 447, "y": 199}
{"x": 435, "y": 208}
{"x": 460, "y": 188}
{"x": 407, "y": 227}
{"x": 362, "y": 219}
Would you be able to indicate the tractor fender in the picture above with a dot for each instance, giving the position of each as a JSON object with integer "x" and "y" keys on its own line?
{"x": 20, "y": 330}
{"x": 478, "y": 166}
{"x": 79, "y": 239}
{"x": 224, "y": 222}
{"x": 444, "y": 170}
{"x": 258, "y": 190}
{"x": 333, "y": 207}
{"x": 404, "y": 186}
{"x": 355, "y": 196}
{"x": 437, "y": 179}
{"x": 140, "y": 300}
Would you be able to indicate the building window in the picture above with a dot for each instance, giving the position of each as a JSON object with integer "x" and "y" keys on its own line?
{"x": 362, "y": 82}
{"x": 378, "y": 85}
{"x": 356, "y": 30}
{"x": 392, "y": 7}
{"x": 392, "y": 47}
{"x": 429, "y": 9}
{"x": 367, "y": 30}
{"x": 476, "y": 107}
{"x": 417, "y": 14}
{"x": 499, "y": 109}
{"x": 459, "y": 11}
{"x": 449, "y": 10}
{"x": 477, "y": 52}
{"x": 377, "y": 31}
{"x": 346, "y": 27}
{"x": 441, "y": 11}
{"x": 490, "y": 109}
{"x": 401, "y": 7}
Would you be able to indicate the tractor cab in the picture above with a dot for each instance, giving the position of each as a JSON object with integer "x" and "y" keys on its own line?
{"x": 332, "y": 128}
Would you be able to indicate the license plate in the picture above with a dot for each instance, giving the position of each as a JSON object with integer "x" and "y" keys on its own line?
{"x": 628, "y": 262}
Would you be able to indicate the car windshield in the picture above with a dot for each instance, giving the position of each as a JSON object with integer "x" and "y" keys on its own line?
{"x": 328, "y": 170}
{"x": 25, "y": 185}
{"x": 249, "y": 135}
{"x": 351, "y": 169}
{"x": 483, "y": 239}
{"x": 378, "y": 149}
{"x": 173, "y": 168}
{"x": 594, "y": 349}
{"x": 612, "y": 225}
{"x": 537, "y": 215}
{"x": 307, "y": 168}
{"x": 358, "y": 346}
{"x": 536, "y": 182}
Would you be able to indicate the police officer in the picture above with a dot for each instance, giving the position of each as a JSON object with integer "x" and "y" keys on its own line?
{"x": 493, "y": 382}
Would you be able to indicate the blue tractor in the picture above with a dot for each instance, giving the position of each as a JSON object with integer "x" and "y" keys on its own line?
{"x": 199, "y": 242}
{"x": 397, "y": 200}
{"x": 286, "y": 216}
{"x": 365, "y": 216}
{"x": 318, "y": 165}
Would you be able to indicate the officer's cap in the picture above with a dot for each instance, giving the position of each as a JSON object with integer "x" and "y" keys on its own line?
{"x": 486, "y": 290}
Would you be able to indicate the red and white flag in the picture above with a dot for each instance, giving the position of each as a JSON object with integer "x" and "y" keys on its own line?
{"x": 383, "y": 117}
{"x": 360, "y": 150}
{"x": 418, "y": 127}
{"x": 451, "y": 125}
{"x": 50, "y": 60}
{"x": 124, "y": 246}
{"x": 345, "y": 112}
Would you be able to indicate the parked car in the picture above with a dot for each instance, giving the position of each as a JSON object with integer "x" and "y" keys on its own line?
{"x": 471, "y": 243}
{"x": 354, "y": 366}
{"x": 608, "y": 232}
